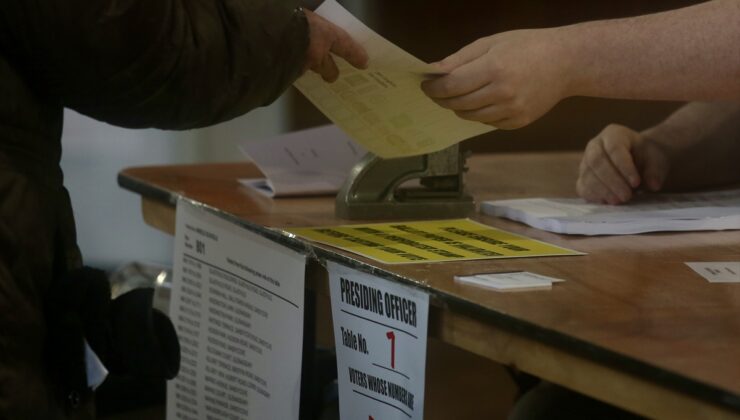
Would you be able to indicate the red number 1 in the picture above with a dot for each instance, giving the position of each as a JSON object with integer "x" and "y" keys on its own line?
{"x": 391, "y": 336}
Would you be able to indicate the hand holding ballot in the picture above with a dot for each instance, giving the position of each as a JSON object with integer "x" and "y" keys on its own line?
{"x": 510, "y": 79}
{"x": 326, "y": 38}
{"x": 507, "y": 80}
{"x": 382, "y": 107}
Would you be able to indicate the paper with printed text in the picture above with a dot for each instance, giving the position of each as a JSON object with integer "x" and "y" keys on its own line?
{"x": 383, "y": 107}
{"x": 237, "y": 306}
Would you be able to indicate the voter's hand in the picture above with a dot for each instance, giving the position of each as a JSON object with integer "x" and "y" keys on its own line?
{"x": 326, "y": 38}
{"x": 507, "y": 80}
{"x": 617, "y": 162}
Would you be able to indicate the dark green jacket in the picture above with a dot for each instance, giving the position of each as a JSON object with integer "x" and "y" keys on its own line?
{"x": 171, "y": 64}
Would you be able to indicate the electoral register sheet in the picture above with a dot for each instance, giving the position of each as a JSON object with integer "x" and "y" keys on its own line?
{"x": 237, "y": 306}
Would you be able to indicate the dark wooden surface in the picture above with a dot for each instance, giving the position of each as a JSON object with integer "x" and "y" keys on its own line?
{"x": 631, "y": 301}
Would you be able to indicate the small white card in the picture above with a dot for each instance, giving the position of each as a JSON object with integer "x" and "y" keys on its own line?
{"x": 717, "y": 272}
{"x": 517, "y": 280}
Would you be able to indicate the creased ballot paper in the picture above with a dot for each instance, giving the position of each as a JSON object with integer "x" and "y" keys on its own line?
{"x": 430, "y": 241}
{"x": 237, "y": 306}
{"x": 380, "y": 330}
{"x": 717, "y": 210}
{"x": 383, "y": 108}
{"x": 717, "y": 272}
{"x": 307, "y": 162}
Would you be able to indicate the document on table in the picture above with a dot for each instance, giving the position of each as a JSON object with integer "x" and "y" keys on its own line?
{"x": 717, "y": 272}
{"x": 237, "y": 307}
{"x": 717, "y": 210}
{"x": 509, "y": 281}
{"x": 383, "y": 107}
{"x": 301, "y": 163}
{"x": 380, "y": 330}
{"x": 430, "y": 241}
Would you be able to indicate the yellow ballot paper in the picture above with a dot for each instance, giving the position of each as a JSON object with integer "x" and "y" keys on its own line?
{"x": 383, "y": 108}
{"x": 430, "y": 241}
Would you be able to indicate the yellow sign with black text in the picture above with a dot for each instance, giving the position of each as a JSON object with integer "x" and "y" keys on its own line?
{"x": 430, "y": 241}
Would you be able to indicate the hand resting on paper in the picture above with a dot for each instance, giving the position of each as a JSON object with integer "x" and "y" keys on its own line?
{"x": 618, "y": 161}
{"x": 698, "y": 146}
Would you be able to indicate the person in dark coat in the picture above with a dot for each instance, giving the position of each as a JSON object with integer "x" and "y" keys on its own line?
{"x": 169, "y": 64}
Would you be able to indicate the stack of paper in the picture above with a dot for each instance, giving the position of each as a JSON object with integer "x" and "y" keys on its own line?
{"x": 308, "y": 162}
{"x": 509, "y": 281}
{"x": 719, "y": 210}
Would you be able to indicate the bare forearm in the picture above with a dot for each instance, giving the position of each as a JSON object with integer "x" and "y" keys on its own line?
{"x": 686, "y": 54}
{"x": 702, "y": 141}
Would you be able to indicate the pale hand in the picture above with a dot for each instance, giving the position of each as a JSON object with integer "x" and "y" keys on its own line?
{"x": 507, "y": 80}
{"x": 326, "y": 38}
{"x": 617, "y": 162}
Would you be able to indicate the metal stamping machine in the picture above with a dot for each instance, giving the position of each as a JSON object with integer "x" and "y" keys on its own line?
{"x": 420, "y": 187}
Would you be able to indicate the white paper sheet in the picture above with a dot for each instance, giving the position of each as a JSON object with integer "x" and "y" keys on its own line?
{"x": 237, "y": 306}
{"x": 719, "y": 210}
{"x": 509, "y": 281}
{"x": 301, "y": 163}
{"x": 383, "y": 108}
{"x": 717, "y": 272}
{"x": 96, "y": 371}
{"x": 380, "y": 330}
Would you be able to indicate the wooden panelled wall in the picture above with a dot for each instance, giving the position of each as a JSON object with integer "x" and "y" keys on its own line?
{"x": 432, "y": 29}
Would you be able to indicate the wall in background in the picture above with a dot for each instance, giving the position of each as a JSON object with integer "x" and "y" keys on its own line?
{"x": 109, "y": 225}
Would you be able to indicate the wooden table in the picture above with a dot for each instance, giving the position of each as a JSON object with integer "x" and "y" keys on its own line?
{"x": 632, "y": 325}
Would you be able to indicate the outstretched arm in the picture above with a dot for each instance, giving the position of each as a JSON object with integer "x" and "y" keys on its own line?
{"x": 702, "y": 141}
{"x": 511, "y": 79}
{"x": 168, "y": 63}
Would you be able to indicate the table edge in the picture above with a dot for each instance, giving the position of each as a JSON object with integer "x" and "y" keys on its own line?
{"x": 700, "y": 390}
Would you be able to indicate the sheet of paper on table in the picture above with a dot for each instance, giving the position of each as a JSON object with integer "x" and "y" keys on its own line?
{"x": 717, "y": 272}
{"x": 383, "y": 107}
{"x": 509, "y": 281}
{"x": 717, "y": 210}
{"x": 430, "y": 241}
{"x": 302, "y": 163}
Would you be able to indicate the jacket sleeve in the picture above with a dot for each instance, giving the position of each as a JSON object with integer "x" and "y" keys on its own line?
{"x": 172, "y": 64}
